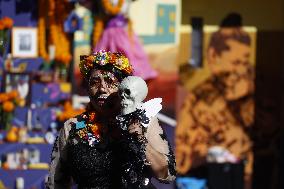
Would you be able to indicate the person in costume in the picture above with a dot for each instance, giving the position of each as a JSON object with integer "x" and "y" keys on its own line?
{"x": 93, "y": 150}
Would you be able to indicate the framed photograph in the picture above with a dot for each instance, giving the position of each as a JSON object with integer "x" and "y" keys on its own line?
{"x": 20, "y": 82}
{"x": 24, "y": 42}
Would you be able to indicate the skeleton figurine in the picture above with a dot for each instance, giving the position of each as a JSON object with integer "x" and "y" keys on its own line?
{"x": 133, "y": 90}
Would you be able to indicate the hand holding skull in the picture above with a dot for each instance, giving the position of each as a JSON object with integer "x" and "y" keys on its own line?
{"x": 135, "y": 128}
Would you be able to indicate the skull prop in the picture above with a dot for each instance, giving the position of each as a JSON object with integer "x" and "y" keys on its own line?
{"x": 133, "y": 90}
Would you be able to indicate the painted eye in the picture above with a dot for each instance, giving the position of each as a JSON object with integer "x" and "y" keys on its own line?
{"x": 127, "y": 91}
{"x": 94, "y": 82}
{"x": 108, "y": 80}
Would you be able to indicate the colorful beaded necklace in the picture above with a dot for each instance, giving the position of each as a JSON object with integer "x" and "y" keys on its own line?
{"x": 88, "y": 129}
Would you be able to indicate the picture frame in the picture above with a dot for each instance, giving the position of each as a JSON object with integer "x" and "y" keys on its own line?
{"x": 24, "y": 42}
{"x": 20, "y": 82}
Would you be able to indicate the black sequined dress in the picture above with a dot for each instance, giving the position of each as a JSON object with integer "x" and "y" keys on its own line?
{"x": 110, "y": 164}
{"x": 116, "y": 161}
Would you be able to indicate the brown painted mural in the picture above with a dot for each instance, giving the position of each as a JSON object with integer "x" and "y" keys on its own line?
{"x": 218, "y": 108}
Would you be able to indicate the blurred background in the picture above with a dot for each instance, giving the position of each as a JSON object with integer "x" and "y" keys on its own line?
{"x": 218, "y": 65}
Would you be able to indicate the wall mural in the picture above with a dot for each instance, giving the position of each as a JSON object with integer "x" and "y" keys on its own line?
{"x": 216, "y": 101}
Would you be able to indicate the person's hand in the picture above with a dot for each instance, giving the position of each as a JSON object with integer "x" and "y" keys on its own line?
{"x": 135, "y": 127}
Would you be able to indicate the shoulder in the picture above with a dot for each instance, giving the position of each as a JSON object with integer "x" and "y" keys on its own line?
{"x": 68, "y": 125}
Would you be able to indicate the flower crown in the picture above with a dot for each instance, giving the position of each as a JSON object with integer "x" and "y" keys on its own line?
{"x": 102, "y": 58}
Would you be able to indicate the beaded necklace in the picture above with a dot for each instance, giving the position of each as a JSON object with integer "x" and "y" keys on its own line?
{"x": 88, "y": 129}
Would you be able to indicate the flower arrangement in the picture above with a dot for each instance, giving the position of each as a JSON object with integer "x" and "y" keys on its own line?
{"x": 8, "y": 102}
{"x": 57, "y": 13}
{"x": 42, "y": 30}
{"x": 6, "y": 24}
{"x": 118, "y": 60}
{"x": 58, "y": 37}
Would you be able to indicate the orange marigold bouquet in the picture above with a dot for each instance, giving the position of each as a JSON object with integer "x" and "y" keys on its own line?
{"x": 8, "y": 102}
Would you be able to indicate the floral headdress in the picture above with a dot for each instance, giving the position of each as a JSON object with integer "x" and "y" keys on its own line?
{"x": 102, "y": 58}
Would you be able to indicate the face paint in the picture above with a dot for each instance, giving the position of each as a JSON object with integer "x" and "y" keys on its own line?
{"x": 101, "y": 85}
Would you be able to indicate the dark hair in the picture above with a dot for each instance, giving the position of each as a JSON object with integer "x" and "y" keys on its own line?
{"x": 219, "y": 38}
{"x": 233, "y": 19}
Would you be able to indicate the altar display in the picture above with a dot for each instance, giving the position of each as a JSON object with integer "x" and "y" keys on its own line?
{"x": 40, "y": 45}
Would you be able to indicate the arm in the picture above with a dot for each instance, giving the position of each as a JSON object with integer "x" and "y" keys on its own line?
{"x": 58, "y": 177}
{"x": 158, "y": 151}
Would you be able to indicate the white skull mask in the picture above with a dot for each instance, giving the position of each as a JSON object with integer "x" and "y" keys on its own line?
{"x": 133, "y": 90}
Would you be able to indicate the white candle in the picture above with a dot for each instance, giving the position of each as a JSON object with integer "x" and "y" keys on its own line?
{"x": 20, "y": 183}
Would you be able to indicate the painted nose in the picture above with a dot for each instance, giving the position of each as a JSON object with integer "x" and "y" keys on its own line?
{"x": 102, "y": 86}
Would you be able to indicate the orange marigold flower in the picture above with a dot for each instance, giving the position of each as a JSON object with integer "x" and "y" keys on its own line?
{"x": 65, "y": 59}
{"x": 8, "y": 106}
{"x": 13, "y": 94}
{"x": 113, "y": 58}
{"x": 3, "y": 97}
{"x": 95, "y": 129}
{"x": 92, "y": 116}
{"x": 90, "y": 60}
{"x": 5, "y": 166}
{"x": 8, "y": 22}
{"x": 67, "y": 106}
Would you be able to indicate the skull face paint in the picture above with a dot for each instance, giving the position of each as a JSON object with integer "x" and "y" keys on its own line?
{"x": 133, "y": 90}
{"x": 101, "y": 85}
